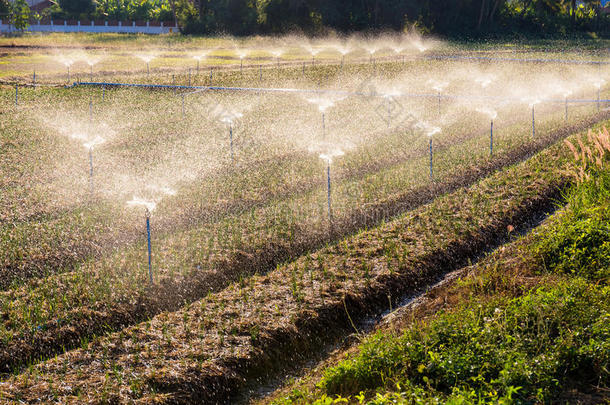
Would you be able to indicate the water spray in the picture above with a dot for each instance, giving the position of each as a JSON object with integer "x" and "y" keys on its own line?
{"x": 598, "y": 84}
{"x": 438, "y": 86}
{"x": 149, "y": 206}
{"x": 328, "y": 157}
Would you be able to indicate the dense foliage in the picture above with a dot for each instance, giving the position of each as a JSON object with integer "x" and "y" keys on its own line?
{"x": 530, "y": 348}
{"x": 463, "y": 18}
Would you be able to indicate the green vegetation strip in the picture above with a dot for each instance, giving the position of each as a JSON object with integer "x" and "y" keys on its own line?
{"x": 206, "y": 350}
{"x": 529, "y": 323}
{"x": 66, "y": 311}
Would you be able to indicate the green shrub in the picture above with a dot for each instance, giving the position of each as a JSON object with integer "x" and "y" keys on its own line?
{"x": 527, "y": 348}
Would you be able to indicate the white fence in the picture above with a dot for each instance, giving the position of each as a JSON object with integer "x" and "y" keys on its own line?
{"x": 90, "y": 26}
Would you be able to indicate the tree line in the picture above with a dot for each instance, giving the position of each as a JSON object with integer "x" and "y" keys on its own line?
{"x": 455, "y": 18}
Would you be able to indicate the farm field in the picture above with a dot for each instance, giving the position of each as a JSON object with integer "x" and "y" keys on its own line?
{"x": 253, "y": 201}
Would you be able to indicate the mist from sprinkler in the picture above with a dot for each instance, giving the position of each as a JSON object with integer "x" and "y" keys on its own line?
{"x": 492, "y": 114}
{"x": 241, "y": 54}
{"x": 439, "y": 87}
{"x": 484, "y": 80}
{"x": 328, "y": 157}
{"x": 566, "y": 94}
{"x": 598, "y": 85}
{"x": 92, "y": 61}
{"x": 277, "y": 54}
{"x": 389, "y": 96}
{"x": 67, "y": 62}
{"x": 146, "y": 58}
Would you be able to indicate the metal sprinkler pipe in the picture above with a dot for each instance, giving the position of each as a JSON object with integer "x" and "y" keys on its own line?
{"x": 260, "y": 72}
{"x": 34, "y": 79}
{"x": 241, "y": 66}
{"x": 211, "y": 75}
{"x": 150, "y": 274}
{"x": 91, "y": 72}
{"x": 103, "y": 92}
{"x": 147, "y": 69}
{"x": 16, "y": 94}
{"x": 342, "y": 61}
{"x": 189, "y": 77}
{"x": 197, "y": 66}
{"x": 303, "y": 68}
{"x": 69, "y": 74}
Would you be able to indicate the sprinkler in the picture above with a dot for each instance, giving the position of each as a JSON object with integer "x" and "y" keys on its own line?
{"x": 103, "y": 92}
{"x": 211, "y": 75}
{"x": 323, "y": 104}
{"x": 228, "y": 118}
{"x": 430, "y": 132}
{"x": 90, "y": 145}
{"x": 149, "y": 206}
{"x": 532, "y": 104}
{"x": 598, "y": 84}
{"x": 566, "y": 95}
{"x": 438, "y": 86}
{"x": 241, "y": 65}
{"x": 189, "y": 77}
{"x": 90, "y": 73}
{"x": 34, "y": 79}
{"x": 16, "y": 95}
{"x": 303, "y": 69}
{"x": 174, "y": 82}
{"x": 260, "y": 72}
{"x": 68, "y": 73}
{"x": 328, "y": 157}
{"x": 492, "y": 114}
